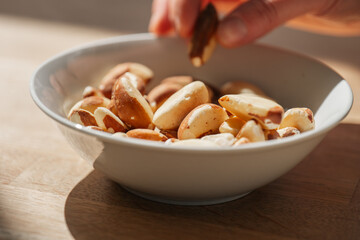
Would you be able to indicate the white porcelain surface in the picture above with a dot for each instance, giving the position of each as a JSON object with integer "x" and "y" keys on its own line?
{"x": 192, "y": 175}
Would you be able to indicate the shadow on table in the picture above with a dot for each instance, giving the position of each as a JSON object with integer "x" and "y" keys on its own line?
{"x": 319, "y": 199}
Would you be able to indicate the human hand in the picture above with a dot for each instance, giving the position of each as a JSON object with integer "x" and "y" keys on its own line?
{"x": 251, "y": 19}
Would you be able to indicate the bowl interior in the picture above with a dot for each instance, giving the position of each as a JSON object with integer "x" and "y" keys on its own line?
{"x": 291, "y": 79}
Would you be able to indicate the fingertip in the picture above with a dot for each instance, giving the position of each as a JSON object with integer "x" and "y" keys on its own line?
{"x": 159, "y": 22}
{"x": 231, "y": 32}
{"x": 185, "y": 13}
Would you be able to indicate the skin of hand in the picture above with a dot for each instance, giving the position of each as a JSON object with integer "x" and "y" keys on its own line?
{"x": 251, "y": 19}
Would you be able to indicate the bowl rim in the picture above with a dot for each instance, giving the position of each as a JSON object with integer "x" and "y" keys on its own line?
{"x": 319, "y": 130}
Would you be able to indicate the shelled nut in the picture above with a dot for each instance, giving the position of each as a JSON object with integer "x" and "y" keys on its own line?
{"x": 300, "y": 118}
{"x": 241, "y": 141}
{"x": 90, "y": 104}
{"x": 222, "y": 139}
{"x": 146, "y": 134}
{"x": 203, "y": 41}
{"x": 140, "y": 70}
{"x": 232, "y": 125}
{"x": 132, "y": 107}
{"x": 287, "y": 132}
{"x": 252, "y": 131}
{"x": 108, "y": 121}
{"x": 83, "y": 117}
{"x": 202, "y": 120}
{"x": 171, "y": 113}
{"x": 248, "y": 106}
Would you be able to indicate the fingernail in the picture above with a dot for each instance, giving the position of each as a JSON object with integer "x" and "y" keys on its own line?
{"x": 231, "y": 31}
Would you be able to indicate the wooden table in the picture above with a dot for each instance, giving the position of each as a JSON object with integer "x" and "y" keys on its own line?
{"x": 48, "y": 192}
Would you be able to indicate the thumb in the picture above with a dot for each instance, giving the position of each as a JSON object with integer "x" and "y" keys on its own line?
{"x": 255, "y": 18}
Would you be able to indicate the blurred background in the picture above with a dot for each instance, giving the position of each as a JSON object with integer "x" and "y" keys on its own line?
{"x": 55, "y": 25}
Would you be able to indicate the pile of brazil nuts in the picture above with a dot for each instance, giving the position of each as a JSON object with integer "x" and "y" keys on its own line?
{"x": 184, "y": 111}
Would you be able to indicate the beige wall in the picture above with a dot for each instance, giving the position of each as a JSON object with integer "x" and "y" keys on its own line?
{"x": 125, "y": 15}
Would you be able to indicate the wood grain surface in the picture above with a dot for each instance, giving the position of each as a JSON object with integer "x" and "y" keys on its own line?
{"x": 48, "y": 192}
{"x": 319, "y": 199}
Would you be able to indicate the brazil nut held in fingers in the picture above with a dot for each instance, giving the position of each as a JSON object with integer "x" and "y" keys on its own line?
{"x": 171, "y": 113}
{"x": 249, "y": 106}
{"x": 203, "y": 40}
{"x": 202, "y": 120}
{"x": 132, "y": 107}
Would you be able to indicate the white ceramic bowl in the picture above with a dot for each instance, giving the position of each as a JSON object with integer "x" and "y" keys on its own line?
{"x": 192, "y": 175}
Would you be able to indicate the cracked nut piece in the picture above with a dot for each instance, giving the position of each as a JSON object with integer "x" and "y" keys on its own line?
{"x": 222, "y": 139}
{"x": 203, "y": 40}
{"x": 140, "y": 70}
{"x": 287, "y": 132}
{"x": 237, "y": 87}
{"x": 90, "y": 91}
{"x": 271, "y": 134}
{"x": 147, "y": 134}
{"x": 171, "y": 113}
{"x": 136, "y": 81}
{"x": 232, "y": 125}
{"x": 300, "y": 118}
{"x": 195, "y": 143}
{"x": 83, "y": 117}
{"x": 252, "y": 131}
{"x": 132, "y": 107}
{"x": 108, "y": 121}
{"x": 90, "y": 104}
{"x": 159, "y": 94}
{"x": 250, "y": 106}
{"x": 202, "y": 120}
{"x": 167, "y": 133}
{"x": 241, "y": 141}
